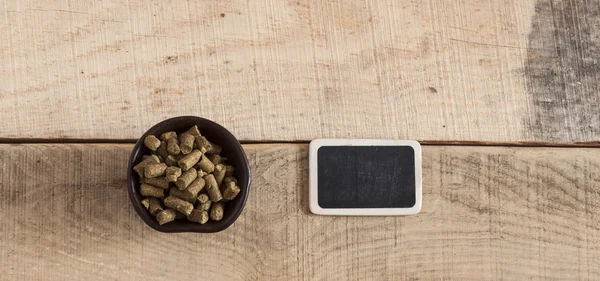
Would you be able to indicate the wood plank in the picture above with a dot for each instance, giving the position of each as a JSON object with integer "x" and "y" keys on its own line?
{"x": 488, "y": 213}
{"x": 563, "y": 71}
{"x": 275, "y": 70}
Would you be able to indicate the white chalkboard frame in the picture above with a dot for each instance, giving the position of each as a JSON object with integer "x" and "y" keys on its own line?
{"x": 313, "y": 179}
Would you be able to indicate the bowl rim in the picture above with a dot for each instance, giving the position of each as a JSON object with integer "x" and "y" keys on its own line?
{"x": 192, "y": 227}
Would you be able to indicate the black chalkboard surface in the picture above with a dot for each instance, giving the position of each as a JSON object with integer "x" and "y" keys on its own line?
{"x": 366, "y": 177}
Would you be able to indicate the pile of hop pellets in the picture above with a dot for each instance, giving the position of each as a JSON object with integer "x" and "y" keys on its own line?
{"x": 198, "y": 180}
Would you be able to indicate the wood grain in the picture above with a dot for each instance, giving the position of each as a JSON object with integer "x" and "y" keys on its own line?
{"x": 562, "y": 75}
{"x": 489, "y": 213}
{"x": 270, "y": 70}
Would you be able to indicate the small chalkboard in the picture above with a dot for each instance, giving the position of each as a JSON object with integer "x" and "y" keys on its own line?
{"x": 365, "y": 177}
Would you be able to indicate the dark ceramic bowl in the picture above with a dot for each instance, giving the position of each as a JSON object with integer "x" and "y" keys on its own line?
{"x": 232, "y": 150}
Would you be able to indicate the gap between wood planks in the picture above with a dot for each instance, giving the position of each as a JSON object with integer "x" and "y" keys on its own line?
{"x": 593, "y": 144}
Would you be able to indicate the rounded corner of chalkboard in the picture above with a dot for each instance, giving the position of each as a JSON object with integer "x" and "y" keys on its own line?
{"x": 315, "y": 208}
{"x": 416, "y": 208}
{"x": 315, "y": 144}
{"x": 416, "y": 146}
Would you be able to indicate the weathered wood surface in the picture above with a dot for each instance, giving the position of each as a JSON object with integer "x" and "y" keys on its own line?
{"x": 297, "y": 70}
{"x": 489, "y": 213}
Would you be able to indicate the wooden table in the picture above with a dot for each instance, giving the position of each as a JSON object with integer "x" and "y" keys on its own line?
{"x": 503, "y": 94}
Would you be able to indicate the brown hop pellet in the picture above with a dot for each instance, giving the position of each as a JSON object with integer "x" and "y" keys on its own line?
{"x": 162, "y": 150}
{"x": 214, "y": 149}
{"x": 158, "y": 182}
{"x": 229, "y": 171}
{"x": 151, "y": 191}
{"x": 189, "y": 160}
{"x": 230, "y": 191}
{"x": 194, "y": 188}
{"x": 172, "y": 173}
{"x": 207, "y": 147}
{"x": 152, "y": 142}
{"x": 140, "y": 167}
{"x": 198, "y": 216}
{"x": 173, "y": 146}
{"x": 219, "y": 173}
{"x": 152, "y": 205}
{"x": 153, "y": 170}
{"x": 168, "y": 135}
{"x": 186, "y": 178}
{"x": 202, "y": 144}
{"x": 216, "y": 159}
{"x": 206, "y": 165}
{"x": 194, "y": 131}
{"x": 205, "y": 206}
{"x": 201, "y": 173}
{"x": 179, "y": 205}
{"x": 186, "y": 143}
{"x": 216, "y": 211}
{"x": 227, "y": 180}
{"x": 181, "y": 194}
{"x": 172, "y": 160}
{"x": 203, "y": 198}
{"x": 165, "y": 216}
{"x": 146, "y": 202}
{"x": 212, "y": 188}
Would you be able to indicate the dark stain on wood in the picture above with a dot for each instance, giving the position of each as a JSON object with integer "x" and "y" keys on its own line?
{"x": 171, "y": 59}
{"x": 562, "y": 71}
